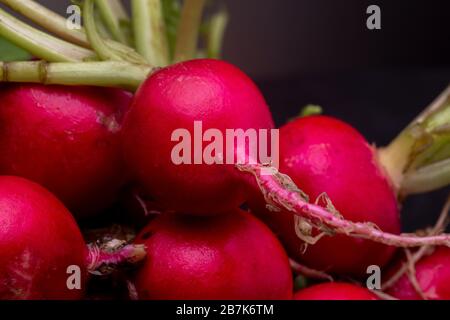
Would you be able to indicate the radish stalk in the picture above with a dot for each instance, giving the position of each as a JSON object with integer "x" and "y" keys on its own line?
{"x": 106, "y": 50}
{"x": 149, "y": 31}
{"x": 418, "y": 160}
{"x": 57, "y": 24}
{"x": 171, "y": 14}
{"x": 187, "y": 34}
{"x": 216, "y": 32}
{"x": 111, "y": 15}
{"x": 49, "y": 20}
{"x": 39, "y": 43}
{"x": 96, "y": 73}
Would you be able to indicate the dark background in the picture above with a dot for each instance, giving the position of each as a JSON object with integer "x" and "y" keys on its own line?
{"x": 320, "y": 51}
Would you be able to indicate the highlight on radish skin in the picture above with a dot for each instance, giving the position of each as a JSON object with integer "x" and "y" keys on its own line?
{"x": 66, "y": 139}
{"x": 229, "y": 256}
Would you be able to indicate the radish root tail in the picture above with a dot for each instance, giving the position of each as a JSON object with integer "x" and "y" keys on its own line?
{"x": 281, "y": 192}
{"x": 104, "y": 259}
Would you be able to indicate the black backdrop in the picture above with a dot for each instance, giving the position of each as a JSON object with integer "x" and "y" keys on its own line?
{"x": 320, "y": 51}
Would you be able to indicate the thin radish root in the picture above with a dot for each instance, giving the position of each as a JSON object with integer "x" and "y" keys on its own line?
{"x": 103, "y": 259}
{"x": 384, "y": 296}
{"x": 309, "y": 272}
{"x": 132, "y": 292}
{"x": 280, "y": 191}
{"x": 438, "y": 228}
{"x": 412, "y": 275}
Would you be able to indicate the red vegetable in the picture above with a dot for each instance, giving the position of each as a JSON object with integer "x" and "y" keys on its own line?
{"x": 39, "y": 240}
{"x": 335, "y": 291}
{"x": 66, "y": 139}
{"x": 323, "y": 154}
{"x": 433, "y": 277}
{"x": 211, "y": 91}
{"x": 230, "y": 256}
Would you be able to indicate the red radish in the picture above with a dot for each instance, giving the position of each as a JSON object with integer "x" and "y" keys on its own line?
{"x": 323, "y": 154}
{"x": 211, "y": 91}
{"x": 42, "y": 251}
{"x": 66, "y": 139}
{"x": 223, "y": 98}
{"x": 230, "y": 256}
{"x": 335, "y": 291}
{"x": 433, "y": 277}
{"x": 39, "y": 240}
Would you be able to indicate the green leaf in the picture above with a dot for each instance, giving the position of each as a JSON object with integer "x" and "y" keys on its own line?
{"x": 310, "y": 110}
{"x": 9, "y": 52}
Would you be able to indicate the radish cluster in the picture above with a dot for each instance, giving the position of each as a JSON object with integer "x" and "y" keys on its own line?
{"x": 214, "y": 201}
{"x": 330, "y": 201}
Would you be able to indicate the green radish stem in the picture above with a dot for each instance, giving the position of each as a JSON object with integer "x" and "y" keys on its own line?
{"x": 56, "y": 24}
{"x": 150, "y": 32}
{"x": 95, "y": 39}
{"x": 215, "y": 34}
{"x": 429, "y": 178}
{"x": 418, "y": 159}
{"x": 97, "y": 73}
{"x": 188, "y": 29}
{"x": 49, "y": 20}
{"x": 112, "y": 13}
{"x": 106, "y": 50}
{"x": 39, "y": 43}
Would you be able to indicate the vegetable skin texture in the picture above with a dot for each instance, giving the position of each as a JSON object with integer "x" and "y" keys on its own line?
{"x": 39, "y": 240}
{"x": 65, "y": 139}
{"x": 212, "y": 91}
{"x": 230, "y": 256}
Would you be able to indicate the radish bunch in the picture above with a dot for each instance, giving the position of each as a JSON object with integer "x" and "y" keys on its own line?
{"x": 74, "y": 141}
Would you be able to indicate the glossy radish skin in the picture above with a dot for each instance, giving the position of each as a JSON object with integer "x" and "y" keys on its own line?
{"x": 323, "y": 154}
{"x": 433, "y": 277}
{"x": 66, "y": 139}
{"x": 211, "y": 91}
{"x": 335, "y": 291}
{"x": 39, "y": 240}
{"x": 231, "y": 256}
